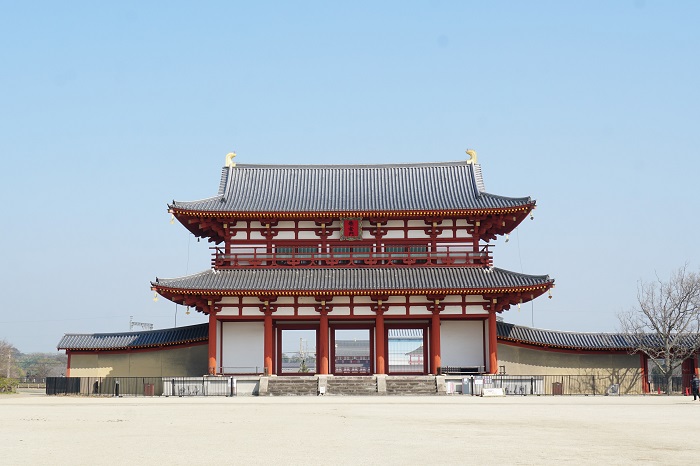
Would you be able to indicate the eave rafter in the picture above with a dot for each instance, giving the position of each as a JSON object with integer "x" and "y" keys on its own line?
{"x": 202, "y": 302}
{"x": 502, "y": 301}
{"x": 498, "y": 299}
{"x": 491, "y": 222}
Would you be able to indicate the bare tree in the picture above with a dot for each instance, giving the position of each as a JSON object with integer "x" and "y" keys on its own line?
{"x": 666, "y": 321}
{"x": 8, "y": 360}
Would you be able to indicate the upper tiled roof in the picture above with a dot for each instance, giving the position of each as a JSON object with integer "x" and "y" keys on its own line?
{"x": 144, "y": 339}
{"x": 447, "y": 186}
{"x": 344, "y": 279}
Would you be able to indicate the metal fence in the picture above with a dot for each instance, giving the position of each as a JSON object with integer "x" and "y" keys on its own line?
{"x": 141, "y": 386}
{"x": 594, "y": 385}
{"x": 549, "y": 384}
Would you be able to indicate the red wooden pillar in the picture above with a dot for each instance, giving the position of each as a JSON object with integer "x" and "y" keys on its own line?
{"x": 643, "y": 371}
{"x": 380, "y": 343}
{"x": 493, "y": 344}
{"x": 268, "y": 343}
{"x": 212, "y": 342}
{"x": 68, "y": 364}
{"x": 323, "y": 343}
{"x": 435, "y": 342}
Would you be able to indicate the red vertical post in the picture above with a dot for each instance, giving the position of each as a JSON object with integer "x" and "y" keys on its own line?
{"x": 68, "y": 365}
{"x": 435, "y": 341}
{"x": 643, "y": 371}
{"x": 379, "y": 341}
{"x": 323, "y": 343}
{"x": 493, "y": 344}
{"x": 212, "y": 342}
{"x": 268, "y": 343}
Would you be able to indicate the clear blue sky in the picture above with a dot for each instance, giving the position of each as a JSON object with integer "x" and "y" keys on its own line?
{"x": 108, "y": 111}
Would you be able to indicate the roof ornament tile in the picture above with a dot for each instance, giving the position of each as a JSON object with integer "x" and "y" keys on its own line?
{"x": 229, "y": 159}
{"x": 472, "y": 156}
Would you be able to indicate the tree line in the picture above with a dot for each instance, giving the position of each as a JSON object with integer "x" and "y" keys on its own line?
{"x": 15, "y": 364}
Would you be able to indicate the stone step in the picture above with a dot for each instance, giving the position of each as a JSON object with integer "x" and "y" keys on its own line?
{"x": 411, "y": 386}
{"x": 360, "y": 386}
{"x": 292, "y": 386}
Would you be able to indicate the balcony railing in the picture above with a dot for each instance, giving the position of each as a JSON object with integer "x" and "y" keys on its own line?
{"x": 444, "y": 256}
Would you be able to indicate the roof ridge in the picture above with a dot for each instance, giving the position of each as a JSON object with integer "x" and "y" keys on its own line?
{"x": 339, "y": 166}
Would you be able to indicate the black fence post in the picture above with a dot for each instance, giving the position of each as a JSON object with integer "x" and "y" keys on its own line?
{"x": 116, "y": 388}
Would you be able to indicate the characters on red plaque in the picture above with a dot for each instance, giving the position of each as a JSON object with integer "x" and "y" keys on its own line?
{"x": 352, "y": 229}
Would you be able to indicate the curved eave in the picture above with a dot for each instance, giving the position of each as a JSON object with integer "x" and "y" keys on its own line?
{"x": 527, "y": 207}
{"x": 535, "y": 344}
{"x": 127, "y": 348}
{"x": 191, "y": 219}
{"x": 163, "y": 290}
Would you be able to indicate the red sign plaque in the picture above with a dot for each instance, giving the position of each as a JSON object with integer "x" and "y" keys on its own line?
{"x": 352, "y": 229}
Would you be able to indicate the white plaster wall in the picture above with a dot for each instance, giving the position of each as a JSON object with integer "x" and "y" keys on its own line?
{"x": 461, "y": 343}
{"x": 452, "y": 310}
{"x": 363, "y": 311}
{"x": 394, "y": 234}
{"x": 418, "y": 233}
{"x": 474, "y": 311}
{"x": 242, "y": 346}
{"x": 251, "y": 311}
{"x": 340, "y": 311}
{"x": 286, "y": 235}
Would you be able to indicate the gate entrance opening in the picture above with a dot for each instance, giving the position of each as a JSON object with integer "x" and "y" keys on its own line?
{"x": 352, "y": 351}
{"x": 297, "y": 351}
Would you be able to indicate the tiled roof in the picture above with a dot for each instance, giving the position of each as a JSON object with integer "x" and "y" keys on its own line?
{"x": 348, "y": 279}
{"x": 143, "y": 339}
{"x": 351, "y": 188}
{"x": 200, "y": 333}
{"x": 564, "y": 340}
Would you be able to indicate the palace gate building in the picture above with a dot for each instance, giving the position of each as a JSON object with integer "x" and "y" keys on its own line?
{"x": 346, "y": 253}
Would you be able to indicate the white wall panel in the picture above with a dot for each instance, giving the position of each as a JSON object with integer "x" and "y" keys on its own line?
{"x": 363, "y": 311}
{"x": 394, "y": 234}
{"x": 243, "y": 346}
{"x": 251, "y": 311}
{"x": 461, "y": 343}
{"x": 452, "y": 310}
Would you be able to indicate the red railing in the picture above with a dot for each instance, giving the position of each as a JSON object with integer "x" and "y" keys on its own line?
{"x": 444, "y": 256}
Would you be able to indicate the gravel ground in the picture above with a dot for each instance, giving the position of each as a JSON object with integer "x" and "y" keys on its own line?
{"x": 37, "y": 429}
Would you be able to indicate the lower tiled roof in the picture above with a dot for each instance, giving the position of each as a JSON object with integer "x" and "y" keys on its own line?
{"x": 143, "y": 339}
{"x": 200, "y": 333}
{"x": 355, "y": 279}
{"x": 564, "y": 340}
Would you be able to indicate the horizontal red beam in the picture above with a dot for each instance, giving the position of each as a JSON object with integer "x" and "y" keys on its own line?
{"x": 259, "y": 257}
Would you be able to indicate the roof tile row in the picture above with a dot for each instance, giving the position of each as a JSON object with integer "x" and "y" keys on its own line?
{"x": 351, "y": 188}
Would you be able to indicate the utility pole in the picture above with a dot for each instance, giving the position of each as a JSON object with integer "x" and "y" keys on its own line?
{"x": 9, "y": 362}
